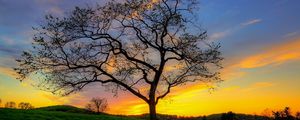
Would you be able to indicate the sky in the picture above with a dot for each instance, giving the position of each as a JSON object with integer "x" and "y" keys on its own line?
{"x": 260, "y": 43}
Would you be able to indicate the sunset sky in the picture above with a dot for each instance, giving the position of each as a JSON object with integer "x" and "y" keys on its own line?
{"x": 260, "y": 43}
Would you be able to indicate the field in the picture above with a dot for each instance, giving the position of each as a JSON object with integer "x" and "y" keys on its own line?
{"x": 63, "y": 112}
{"x": 56, "y": 113}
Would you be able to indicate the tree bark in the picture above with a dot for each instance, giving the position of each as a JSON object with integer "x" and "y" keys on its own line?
{"x": 152, "y": 109}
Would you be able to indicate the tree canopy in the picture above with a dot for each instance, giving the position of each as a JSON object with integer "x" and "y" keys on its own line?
{"x": 145, "y": 47}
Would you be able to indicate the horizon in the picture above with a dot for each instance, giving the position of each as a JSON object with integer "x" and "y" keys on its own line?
{"x": 260, "y": 43}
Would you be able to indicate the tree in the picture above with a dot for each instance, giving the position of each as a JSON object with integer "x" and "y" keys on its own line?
{"x": 287, "y": 114}
{"x": 297, "y": 116}
{"x": 228, "y": 116}
{"x": 25, "y": 106}
{"x": 145, "y": 47}
{"x": 267, "y": 112}
{"x": 10, "y": 104}
{"x": 97, "y": 105}
{"x": 0, "y": 102}
{"x": 204, "y": 118}
{"x": 283, "y": 114}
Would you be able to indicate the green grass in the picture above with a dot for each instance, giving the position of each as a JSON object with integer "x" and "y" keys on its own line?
{"x": 64, "y": 108}
{"x": 63, "y": 112}
{"x": 56, "y": 113}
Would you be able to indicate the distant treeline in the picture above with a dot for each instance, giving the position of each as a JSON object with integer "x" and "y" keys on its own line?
{"x": 21, "y": 105}
{"x": 284, "y": 114}
{"x": 96, "y": 104}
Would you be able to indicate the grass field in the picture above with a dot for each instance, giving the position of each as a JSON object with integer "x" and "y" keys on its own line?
{"x": 63, "y": 112}
{"x": 56, "y": 113}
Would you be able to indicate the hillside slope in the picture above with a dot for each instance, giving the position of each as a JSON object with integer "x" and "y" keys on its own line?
{"x": 56, "y": 113}
{"x": 63, "y": 112}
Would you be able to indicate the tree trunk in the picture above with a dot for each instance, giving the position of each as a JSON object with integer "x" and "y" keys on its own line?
{"x": 152, "y": 110}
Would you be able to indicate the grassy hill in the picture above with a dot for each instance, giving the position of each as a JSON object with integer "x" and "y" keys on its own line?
{"x": 63, "y": 112}
{"x": 221, "y": 116}
{"x": 56, "y": 113}
{"x": 235, "y": 116}
{"x": 64, "y": 108}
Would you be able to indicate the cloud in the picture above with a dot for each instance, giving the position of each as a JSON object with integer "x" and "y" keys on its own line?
{"x": 47, "y": 2}
{"x": 231, "y": 88}
{"x": 257, "y": 86}
{"x": 219, "y": 35}
{"x": 250, "y": 87}
{"x": 7, "y": 50}
{"x": 292, "y": 34}
{"x": 250, "y": 22}
{"x": 262, "y": 84}
{"x": 229, "y": 31}
{"x": 58, "y": 99}
{"x": 7, "y": 71}
{"x": 274, "y": 55}
{"x": 231, "y": 72}
{"x": 7, "y": 40}
{"x": 55, "y": 11}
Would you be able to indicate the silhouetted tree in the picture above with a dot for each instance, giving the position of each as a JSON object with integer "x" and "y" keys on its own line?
{"x": 97, "y": 105}
{"x": 287, "y": 114}
{"x": 25, "y": 106}
{"x": 267, "y": 112}
{"x": 0, "y": 102}
{"x": 297, "y": 116}
{"x": 204, "y": 118}
{"x": 283, "y": 114}
{"x": 228, "y": 116}
{"x": 10, "y": 104}
{"x": 145, "y": 47}
{"x": 277, "y": 115}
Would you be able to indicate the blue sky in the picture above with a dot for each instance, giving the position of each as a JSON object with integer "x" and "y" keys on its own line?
{"x": 275, "y": 20}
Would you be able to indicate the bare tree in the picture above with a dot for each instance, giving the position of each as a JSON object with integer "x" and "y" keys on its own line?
{"x": 267, "y": 112}
{"x": 284, "y": 114}
{"x": 25, "y": 106}
{"x": 145, "y": 47}
{"x": 297, "y": 116}
{"x": 10, "y": 104}
{"x": 97, "y": 105}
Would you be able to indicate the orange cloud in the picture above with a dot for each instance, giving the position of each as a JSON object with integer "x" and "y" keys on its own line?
{"x": 194, "y": 99}
{"x": 262, "y": 84}
{"x": 274, "y": 55}
{"x": 8, "y": 71}
{"x": 56, "y": 99}
{"x": 258, "y": 86}
{"x": 231, "y": 71}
